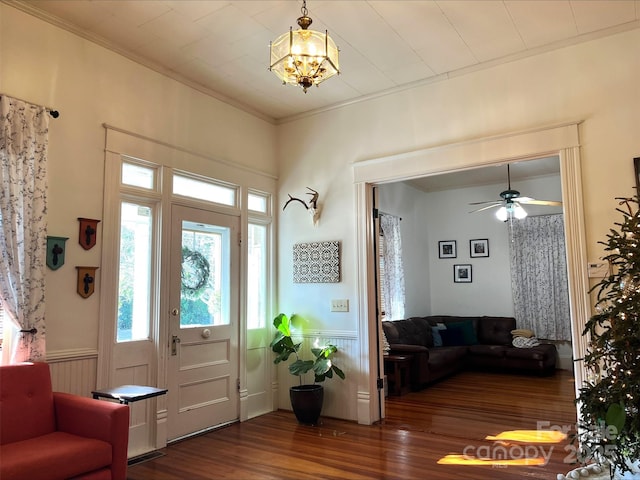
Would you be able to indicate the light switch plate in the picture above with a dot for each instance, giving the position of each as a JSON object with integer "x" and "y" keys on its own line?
{"x": 340, "y": 305}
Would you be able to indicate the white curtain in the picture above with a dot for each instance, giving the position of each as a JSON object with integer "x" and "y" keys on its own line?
{"x": 394, "y": 272}
{"x": 23, "y": 228}
{"x": 539, "y": 276}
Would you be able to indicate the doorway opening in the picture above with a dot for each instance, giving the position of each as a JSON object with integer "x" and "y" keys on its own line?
{"x": 561, "y": 142}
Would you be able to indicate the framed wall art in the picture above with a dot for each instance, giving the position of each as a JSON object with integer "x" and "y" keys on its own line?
{"x": 316, "y": 262}
{"x": 447, "y": 249}
{"x": 479, "y": 248}
{"x": 462, "y": 273}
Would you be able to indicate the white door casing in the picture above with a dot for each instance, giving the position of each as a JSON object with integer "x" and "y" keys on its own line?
{"x": 560, "y": 140}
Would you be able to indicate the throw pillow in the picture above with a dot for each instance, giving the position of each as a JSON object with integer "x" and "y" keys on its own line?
{"x": 453, "y": 336}
{"x": 437, "y": 339}
{"x": 468, "y": 332}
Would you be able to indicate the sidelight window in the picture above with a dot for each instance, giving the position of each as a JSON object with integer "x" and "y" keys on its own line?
{"x": 134, "y": 278}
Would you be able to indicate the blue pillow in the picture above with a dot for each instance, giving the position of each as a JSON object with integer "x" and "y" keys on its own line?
{"x": 453, "y": 336}
{"x": 437, "y": 339}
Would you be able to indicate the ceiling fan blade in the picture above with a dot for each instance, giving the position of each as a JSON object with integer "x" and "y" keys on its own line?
{"x": 488, "y": 201}
{"x": 533, "y": 201}
{"x": 497, "y": 204}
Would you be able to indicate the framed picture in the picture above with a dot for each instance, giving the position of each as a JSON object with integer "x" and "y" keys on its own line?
{"x": 479, "y": 248}
{"x": 636, "y": 166}
{"x": 462, "y": 273}
{"x": 447, "y": 249}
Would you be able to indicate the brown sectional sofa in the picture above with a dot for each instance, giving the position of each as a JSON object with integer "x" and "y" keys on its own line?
{"x": 482, "y": 343}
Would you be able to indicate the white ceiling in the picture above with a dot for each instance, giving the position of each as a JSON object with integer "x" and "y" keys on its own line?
{"x": 222, "y": 47}
{"x": 492, "y": 175}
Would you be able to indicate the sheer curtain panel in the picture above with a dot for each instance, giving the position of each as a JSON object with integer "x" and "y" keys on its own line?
{"x": 539, "y": 276}
{"x": 23, "y": 228}
{"x": 394, "y": 272}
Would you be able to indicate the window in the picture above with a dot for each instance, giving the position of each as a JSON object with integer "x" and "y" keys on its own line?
{"x": 134, "y": 279}
{"x": 1, "y": 325}
{"x": 257, "y": 276}
{"x": 257, "y": 202}
{"x": 205, "y": 190}
{"x": 138, "y": 176}
{"x": 205, "y": 297}
{"x": 381, "y": 276}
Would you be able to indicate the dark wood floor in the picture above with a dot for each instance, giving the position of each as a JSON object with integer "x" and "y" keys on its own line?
{"x": 420, "y": 428}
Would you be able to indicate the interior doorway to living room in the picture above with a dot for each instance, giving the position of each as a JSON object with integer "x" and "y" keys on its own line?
{"x": 561, "y": 141}
{"x": 458, "y": 211}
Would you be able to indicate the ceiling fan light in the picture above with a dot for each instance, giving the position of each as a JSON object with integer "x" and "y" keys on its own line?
{"x": 519, "y": 212}
{"x": 502, "y": 214}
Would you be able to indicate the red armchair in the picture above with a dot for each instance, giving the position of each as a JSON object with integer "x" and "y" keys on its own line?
{"x": 48, "y": 435}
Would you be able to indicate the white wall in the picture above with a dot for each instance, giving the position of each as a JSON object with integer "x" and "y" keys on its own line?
{"x": 594, "y": 82}
{"x": 448, "y": 215}
{"x": 90, "y": 86}
{"x": 405, "y": 201}
{"x": 429, "y": 217}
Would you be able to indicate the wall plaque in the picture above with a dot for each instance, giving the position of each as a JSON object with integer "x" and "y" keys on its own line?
{"x": 316, "y": 262}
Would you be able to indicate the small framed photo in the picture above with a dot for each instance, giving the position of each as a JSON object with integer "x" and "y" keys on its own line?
{"x": 636, "y": 166}
{"x": 462, "y": 273}
{"x": 479, "y": 248}
{"x": 447, "y": 249}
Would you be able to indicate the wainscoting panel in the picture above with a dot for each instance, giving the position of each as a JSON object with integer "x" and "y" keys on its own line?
{"x": 339, "y": 395}
{"x": 73, "y": 371}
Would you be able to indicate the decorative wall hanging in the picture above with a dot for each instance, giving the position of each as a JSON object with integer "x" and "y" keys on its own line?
{"x": 479, "y": 248}
{"x": 312, "y": 207}
{"x": 462, "y": 273}
{"x": 86, "y": 281}
{"x": 447, "y": 249}
{"x": 195, "y": 273}
{"x": 317, "y": 262}
{"x": 88, "y": 232}
{"x": 55, "y": 252}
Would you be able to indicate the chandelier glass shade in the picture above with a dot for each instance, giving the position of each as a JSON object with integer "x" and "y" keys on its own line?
{"x": 511, "y": 210}
{"x": 304, "y": 57}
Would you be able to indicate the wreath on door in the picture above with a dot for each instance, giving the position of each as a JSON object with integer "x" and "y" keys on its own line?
{"x": 195, "y": 272}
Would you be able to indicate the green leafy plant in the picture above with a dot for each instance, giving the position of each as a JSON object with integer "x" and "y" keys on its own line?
{"x": 284, "y": 346}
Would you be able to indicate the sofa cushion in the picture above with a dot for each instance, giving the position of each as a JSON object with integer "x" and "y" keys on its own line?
{"x": 53, "y": 456}
{"x": 541, "y": 352}
{"x": 488, "y": 350}
{"x": 446, "y": 356}
{"x": 412, "y": 331}
{"x": 496, "y": 330}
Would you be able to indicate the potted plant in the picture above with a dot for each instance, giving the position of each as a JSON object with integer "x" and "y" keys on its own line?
{"x": 306, "y": 399}
{"x": 609, "y": 401}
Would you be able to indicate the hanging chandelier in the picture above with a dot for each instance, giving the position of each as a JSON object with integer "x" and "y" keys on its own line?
{"x": 304, "y": 57}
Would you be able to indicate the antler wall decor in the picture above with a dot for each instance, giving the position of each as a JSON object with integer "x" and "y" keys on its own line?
{"x": 312, "y": 207}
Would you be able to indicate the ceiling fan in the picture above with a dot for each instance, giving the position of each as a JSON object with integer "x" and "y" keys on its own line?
{"x": 510, "y": 204}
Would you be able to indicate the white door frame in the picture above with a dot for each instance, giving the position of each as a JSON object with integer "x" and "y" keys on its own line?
{"x": 560, "y": 140}
{"x": 123, "y": 143}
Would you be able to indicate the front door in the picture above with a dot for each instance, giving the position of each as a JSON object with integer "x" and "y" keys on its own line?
{"x": 203, "y": 331}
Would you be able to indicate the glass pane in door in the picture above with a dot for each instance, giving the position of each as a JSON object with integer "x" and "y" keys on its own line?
{"x": 134, "y": 282}
{"x": 204, "y": 293}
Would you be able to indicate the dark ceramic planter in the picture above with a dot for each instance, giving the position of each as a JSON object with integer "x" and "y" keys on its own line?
{"x": 306, "y": 401}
